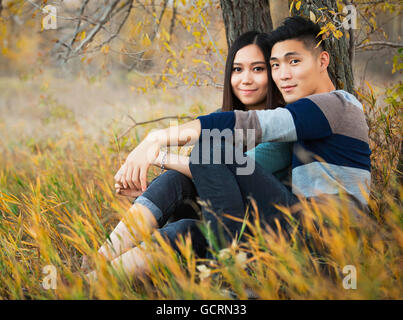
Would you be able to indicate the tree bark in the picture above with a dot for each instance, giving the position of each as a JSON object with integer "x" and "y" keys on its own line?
{"x": 279, "y": 10}
{"x": 340, "y": 68}
{"x": 241, "y": 16}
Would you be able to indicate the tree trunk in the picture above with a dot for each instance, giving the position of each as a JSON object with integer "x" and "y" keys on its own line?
{"x": 340, "y": 68}
{"x": 279, "y": 10}
{"x": 245, "y": 15}
{"x": 241, "y": 16}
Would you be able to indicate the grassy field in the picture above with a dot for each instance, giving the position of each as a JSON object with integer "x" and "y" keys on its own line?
{"x": 59, "y": 153}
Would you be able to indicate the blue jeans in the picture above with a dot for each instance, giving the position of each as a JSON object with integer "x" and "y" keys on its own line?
{"x": 226, "y": 193}
{"x": 171, "y": 197}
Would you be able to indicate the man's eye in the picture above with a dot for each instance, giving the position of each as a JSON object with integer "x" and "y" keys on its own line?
{"x": 294, "y": 61}
{"x": 274, "y": 65}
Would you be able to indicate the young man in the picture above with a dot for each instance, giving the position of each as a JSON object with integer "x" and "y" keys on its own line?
{"x": 331, "y": 154}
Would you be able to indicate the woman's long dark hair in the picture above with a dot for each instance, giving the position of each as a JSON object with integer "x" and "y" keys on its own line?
{"x": 230, "y": 101}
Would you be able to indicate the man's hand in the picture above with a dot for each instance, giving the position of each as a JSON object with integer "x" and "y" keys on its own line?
{"x": 133, "y": 173}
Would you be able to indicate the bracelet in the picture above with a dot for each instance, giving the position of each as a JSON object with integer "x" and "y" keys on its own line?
{"x": 163, "y": 160}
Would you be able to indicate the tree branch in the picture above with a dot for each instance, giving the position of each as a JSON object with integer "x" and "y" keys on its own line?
{"x": 95, "y": 30}
{"x": 380, "y": 43}
{"x": 150, "y": 121}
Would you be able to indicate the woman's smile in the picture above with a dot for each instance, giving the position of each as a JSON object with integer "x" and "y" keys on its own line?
{"x": 247, "y": 91}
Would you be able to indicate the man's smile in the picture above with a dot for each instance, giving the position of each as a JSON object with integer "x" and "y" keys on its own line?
{"x": 288, "y": 88}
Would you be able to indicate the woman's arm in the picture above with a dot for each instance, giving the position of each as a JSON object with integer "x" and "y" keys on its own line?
{"x": 174, "y": 161}
{"x": 133, "y": 172}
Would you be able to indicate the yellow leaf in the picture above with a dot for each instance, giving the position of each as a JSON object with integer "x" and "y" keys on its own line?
{"x": 166, "y": 34}
{"x": 319, "y": 43}
{"x": 146, "y": 40}
{"x": 324, "y": 29}
{"x": 105, "y": 48}
{"x": 312, "y": 16}
{"x": 83, "y": 35}
{"x": 338, "y": 34}
{"x": 291, "y": 6}
{"x": 298, "y": 5}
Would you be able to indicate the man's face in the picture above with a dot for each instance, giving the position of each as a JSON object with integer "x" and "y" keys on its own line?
{"x": 295, "y": 69}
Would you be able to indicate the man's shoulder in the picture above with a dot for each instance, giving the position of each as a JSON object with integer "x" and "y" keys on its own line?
{"x": 335, "y": 98}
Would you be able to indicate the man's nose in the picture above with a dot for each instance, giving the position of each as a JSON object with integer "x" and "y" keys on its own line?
{"x": 285, "y": 73}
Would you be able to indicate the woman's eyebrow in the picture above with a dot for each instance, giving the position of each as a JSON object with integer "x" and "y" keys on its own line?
{"x": 253, "y": 63}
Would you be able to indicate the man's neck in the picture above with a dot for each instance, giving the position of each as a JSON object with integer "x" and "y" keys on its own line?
{"x": 326, "y": 85}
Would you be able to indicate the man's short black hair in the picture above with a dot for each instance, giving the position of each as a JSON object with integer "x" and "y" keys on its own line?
{"x": 298, "y": 28}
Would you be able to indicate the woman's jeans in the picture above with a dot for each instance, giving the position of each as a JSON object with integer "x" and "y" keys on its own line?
{"x": 171, "y": 197}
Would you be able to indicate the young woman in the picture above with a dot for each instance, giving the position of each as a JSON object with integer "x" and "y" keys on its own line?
{"x": 172, "y": 195}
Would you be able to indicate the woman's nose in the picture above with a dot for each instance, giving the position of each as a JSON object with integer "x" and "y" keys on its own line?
{"x": 247, "y": 77}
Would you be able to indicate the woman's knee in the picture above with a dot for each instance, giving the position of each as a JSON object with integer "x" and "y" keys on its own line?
{"x": 170, "y": 179}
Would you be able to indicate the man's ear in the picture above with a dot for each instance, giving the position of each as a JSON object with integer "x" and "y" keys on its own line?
{"x": 324, "y": 60}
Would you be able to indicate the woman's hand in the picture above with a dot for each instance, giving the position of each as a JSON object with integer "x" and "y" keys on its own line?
{"x": 133, "y": 193}
{"x": 133, "y": 173}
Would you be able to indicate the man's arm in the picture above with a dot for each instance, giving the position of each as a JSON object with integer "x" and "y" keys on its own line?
{"x": 300, "y": 120}
{"x": 303, "y": 119}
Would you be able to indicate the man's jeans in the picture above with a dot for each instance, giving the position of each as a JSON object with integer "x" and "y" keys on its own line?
{"x": 226, "y": 193}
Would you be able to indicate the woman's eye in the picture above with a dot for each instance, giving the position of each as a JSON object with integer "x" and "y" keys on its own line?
{"x": 258, "y": 69}
{"x": 236, "y": 69}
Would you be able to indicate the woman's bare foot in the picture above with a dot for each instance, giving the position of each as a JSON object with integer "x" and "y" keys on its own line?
{"x": 85, "y": 265}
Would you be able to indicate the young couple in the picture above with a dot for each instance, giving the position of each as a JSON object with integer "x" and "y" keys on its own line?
{"x": 322, "y": 130}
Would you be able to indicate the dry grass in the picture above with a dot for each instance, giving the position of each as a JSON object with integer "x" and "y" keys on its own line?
{"x": 57, "y": 203}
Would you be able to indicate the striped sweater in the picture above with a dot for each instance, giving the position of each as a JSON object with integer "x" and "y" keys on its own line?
{"x": 331, "y": 151}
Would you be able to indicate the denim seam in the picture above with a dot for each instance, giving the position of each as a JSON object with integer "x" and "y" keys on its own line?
{"x": 150, "y": 205}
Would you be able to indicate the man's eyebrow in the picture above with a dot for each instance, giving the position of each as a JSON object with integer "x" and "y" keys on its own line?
{"x": 293, "y": 53}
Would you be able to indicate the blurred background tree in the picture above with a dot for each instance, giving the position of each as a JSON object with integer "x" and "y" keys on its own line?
{"x": 183, "y": 43}
{"x": 160, "y": 44}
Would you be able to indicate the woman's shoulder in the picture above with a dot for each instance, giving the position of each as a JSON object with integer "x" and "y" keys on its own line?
{"x": 274, "y": 145}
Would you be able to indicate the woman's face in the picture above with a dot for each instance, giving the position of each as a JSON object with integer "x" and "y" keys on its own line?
{"x": 249, "y": 79}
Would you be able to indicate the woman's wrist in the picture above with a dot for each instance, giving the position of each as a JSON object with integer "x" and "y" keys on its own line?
{"x": 160, "y": 161}
{"x": 156, "y": 137}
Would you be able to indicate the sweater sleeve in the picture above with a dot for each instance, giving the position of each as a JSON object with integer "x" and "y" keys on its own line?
{"x": 300, "y": 120}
